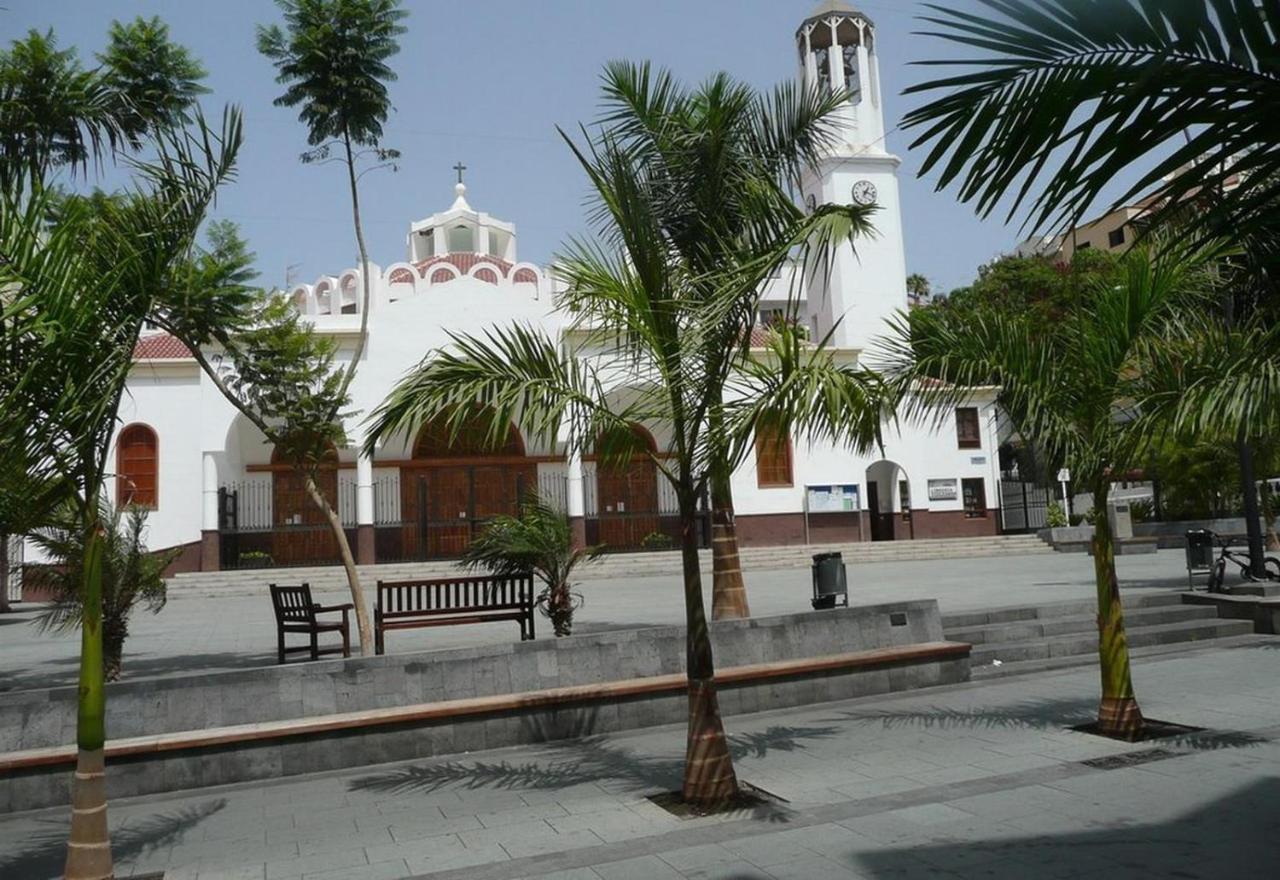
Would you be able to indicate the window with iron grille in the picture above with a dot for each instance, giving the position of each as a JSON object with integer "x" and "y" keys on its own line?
{"x": 968, "y": 428}
{"x": 974, "y": 492}
{"x": 773, "y": 458}
{"x": 1115, "y": 237}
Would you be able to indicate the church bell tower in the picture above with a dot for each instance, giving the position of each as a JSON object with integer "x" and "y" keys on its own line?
{"x": 866, "y": 284}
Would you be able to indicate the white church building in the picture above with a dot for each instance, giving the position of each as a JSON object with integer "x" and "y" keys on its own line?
{"x": 217, "y": 490}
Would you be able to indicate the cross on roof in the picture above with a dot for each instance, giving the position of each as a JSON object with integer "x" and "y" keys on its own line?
{"x": 459, "y": 168}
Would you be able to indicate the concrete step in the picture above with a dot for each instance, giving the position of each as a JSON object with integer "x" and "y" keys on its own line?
{"x": 1087, "y": 643}
{"x": 1024, "y": 667}
{"x": 655, "y": 564}
{"x": 1028, "y": 630}
{"x": 1053, "y": 610}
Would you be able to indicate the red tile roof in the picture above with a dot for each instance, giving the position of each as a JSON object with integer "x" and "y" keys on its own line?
{"x": 160, "y": 346}
{"x": 464, "y": 263}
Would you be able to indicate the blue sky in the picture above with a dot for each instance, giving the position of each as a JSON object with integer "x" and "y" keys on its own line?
{"x": 485, "y": 83}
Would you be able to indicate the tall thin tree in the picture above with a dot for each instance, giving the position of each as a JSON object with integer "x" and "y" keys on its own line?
{"x": 331, "y": 55}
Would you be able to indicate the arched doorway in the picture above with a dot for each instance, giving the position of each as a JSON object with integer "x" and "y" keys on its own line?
{"x": 300, "y": 532}
{"x": 453, "y": 483}
{"x": 626, "y": 502}
{"x": 888, "y": 502}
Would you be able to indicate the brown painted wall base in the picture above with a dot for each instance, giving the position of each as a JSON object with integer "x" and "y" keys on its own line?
{"x": 954, "y": 524}
{"x": 578, "y": 531}
{"x": 366, "y": 553}
{"x": 210, "y": 551}
{"x": 778, "y": 529}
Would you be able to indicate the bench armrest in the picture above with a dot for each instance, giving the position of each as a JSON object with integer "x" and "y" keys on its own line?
{"x": 347, "y": 607}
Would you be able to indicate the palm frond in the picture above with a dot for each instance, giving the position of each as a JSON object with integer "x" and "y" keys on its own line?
{"x": 1061, "y": 96}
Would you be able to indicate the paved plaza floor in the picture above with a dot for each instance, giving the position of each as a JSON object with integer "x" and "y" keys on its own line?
{"x": 195, "y": 634}
{"x": 982, "y": 780}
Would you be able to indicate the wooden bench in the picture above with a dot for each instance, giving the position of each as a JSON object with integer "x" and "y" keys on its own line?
{"x": 446, "y": 601}
{"x": 296, "y": 613}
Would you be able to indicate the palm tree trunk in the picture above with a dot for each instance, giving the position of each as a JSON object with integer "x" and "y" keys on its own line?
{"x": 728, "y": 590}
{"x": 1118, "y": 713}
{"x": 1252, "y": 519}
{"x": 1266, "y": 505}
{"x": 363, "y": 625}
{"x": 4, "y": 573}
{"x": 89, "y": 847}
{"x": 708, "y": 766}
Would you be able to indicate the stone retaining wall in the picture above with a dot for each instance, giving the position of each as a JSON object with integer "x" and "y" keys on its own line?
{"x": 39, "y": 719}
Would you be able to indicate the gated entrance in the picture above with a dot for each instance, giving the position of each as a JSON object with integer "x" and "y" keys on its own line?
{"x": 1024, "y": 507}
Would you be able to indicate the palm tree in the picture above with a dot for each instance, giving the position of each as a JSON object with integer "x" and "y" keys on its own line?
{"x": 76, "y": 294}
{"x": 674, "y": 334}
{"x": 332, "y": 58}
{"x": 1070, "y": 391}
{"x": 918, "y": 288}
{"x": 130, "y": 575}
{"x": 729, "y": 159}
{"x": 1066, "y": 95}
{"x": 538, "y": 540}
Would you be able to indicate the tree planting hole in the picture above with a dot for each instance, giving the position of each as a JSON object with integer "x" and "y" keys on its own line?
{"x": 1152, "y": 729}
{"x": 749, "y": 797}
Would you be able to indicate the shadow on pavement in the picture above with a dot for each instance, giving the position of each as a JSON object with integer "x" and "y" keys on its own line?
{"x": 45, "y": 852}
{"x": 1233, "y": 837}
{"x": 576, "y": 757}
{"x": 1044, "y": 714}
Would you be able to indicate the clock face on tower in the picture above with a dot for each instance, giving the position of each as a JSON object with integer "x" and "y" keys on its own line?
{"x": 864, "y": 192}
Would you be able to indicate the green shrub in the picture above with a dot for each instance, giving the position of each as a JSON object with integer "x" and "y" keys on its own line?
{"x": 255, "y": 559}
{"x": 1055, "y": 517}
{"x": 657, "y": 541}
{"x": 1141, "y": 511}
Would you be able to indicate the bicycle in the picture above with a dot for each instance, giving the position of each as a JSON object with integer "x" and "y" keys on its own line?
{"x": 1217, "y": 575}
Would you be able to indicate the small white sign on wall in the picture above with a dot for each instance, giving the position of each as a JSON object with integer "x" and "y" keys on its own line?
{"x": 943, "y": 490}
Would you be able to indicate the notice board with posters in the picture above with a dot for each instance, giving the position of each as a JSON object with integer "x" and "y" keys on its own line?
{"x": 831, "y": 498}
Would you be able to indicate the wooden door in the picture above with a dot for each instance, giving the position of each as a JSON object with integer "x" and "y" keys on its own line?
{"x": 628, "y": 503}
{"x": 448, "y": 514}
{"x": 301, "y": 533}
{"x": 881, "y": 523}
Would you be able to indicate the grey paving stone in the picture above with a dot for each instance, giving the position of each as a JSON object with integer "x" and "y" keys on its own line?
{"x": 689, "y": 858}
{"x": 641, "y": 868}
{"x": 520, "y": 847}
{"x": 729, "y": 871}
{"x": 388, "y": 870}
{"x": 463, "y": 858}
{"x": 311, "y": 864}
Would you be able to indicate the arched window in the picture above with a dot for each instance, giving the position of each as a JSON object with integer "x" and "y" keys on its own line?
{"x": 137, "y": 467}
{"x": 773, "y": 457}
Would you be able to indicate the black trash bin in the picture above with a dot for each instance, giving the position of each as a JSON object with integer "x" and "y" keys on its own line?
{"x": 1199, "y": 553}
{"x": 830, "y": 581}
